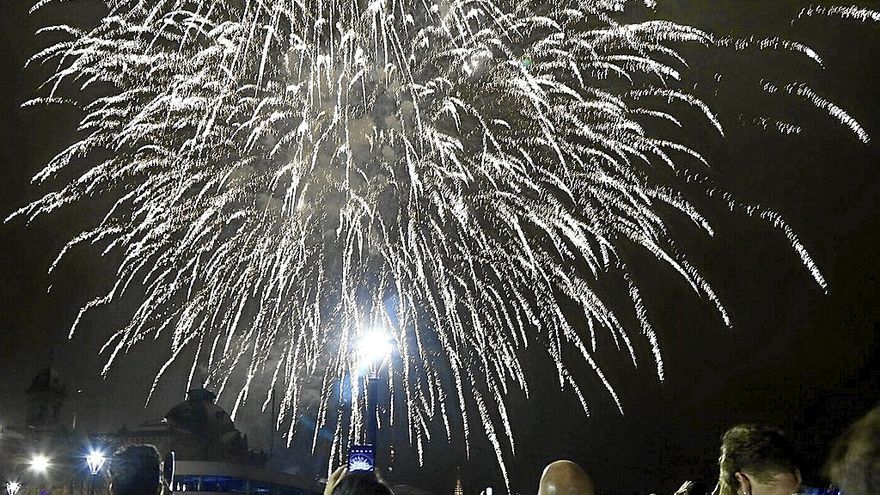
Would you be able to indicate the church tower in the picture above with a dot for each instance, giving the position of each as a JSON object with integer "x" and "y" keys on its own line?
{"x": 45, "y": 399}
{"x": 459, "y": 489}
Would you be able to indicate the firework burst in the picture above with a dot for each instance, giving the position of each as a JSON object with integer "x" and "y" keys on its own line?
{"x": 287, "y": 175}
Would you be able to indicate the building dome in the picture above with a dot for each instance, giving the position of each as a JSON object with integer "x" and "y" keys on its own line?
{"x": 196, "y": 429}
{"x": 199, "y": 414}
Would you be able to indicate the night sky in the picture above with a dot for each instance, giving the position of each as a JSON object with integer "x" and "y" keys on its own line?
{"x": 795, "y": 357}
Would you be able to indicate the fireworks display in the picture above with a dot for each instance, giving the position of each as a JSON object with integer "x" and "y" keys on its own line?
{"x": 288, "y": 175}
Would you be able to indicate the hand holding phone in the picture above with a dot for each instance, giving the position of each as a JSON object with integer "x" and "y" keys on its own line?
{"x": 334, "y": 479}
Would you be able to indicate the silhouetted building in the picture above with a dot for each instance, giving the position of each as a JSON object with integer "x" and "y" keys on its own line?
{"x": 45, "y": 400}
{"x": 43, "y": 453}
{"x": 196, "y": 429}
{"x": 212, "y": 455}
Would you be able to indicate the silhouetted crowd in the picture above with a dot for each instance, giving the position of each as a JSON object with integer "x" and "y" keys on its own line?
{"x": 754, "y": 460}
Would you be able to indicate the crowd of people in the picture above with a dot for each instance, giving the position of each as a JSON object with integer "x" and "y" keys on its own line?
{"x": 754, "y": 460}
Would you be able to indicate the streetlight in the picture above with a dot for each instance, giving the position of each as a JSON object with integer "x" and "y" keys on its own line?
{"x": 12, "y": 487}
{"x": 373, "y": 347}
{"x": 40, "y": 464}
{"x": 95, "y": 461}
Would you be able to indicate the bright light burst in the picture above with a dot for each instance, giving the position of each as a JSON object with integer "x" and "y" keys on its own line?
{"x": 374, "y": 348}
{"x": 39, "y": 464}
{"x": 95, "y": 461}
{"x": 287, "y": 174}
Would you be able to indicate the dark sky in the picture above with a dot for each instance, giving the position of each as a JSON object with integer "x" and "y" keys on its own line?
{"x": 795, "y": 357}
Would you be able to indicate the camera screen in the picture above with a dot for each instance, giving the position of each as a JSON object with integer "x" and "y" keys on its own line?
{"x": 361, "y": 457}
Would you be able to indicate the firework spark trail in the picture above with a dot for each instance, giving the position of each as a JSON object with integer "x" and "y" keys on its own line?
{"x": 845, "y": 12}
{"x": 288, "y": 174}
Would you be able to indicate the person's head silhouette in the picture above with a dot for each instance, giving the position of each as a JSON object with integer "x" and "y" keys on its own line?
{"x": 757, "y": 460}
{"x": 854, "y": 464}
{"x": 565, "y": 478}
{"x": 135, "y": 470}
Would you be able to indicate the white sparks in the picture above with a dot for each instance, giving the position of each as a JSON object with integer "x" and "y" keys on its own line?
{"x": 287, "y": 175}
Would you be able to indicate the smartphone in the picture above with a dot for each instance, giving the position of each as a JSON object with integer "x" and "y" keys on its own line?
{"x": 361, "y": 458}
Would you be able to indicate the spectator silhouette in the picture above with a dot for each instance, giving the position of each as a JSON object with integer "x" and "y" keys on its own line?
{"x": 757, "y": 460}
{"x": 135, "y": 470}
{"x": 854, "y": 463}
{"x": 344, "y": 482}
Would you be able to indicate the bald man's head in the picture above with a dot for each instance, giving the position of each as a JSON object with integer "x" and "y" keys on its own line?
{"x": 565, "y": 478}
